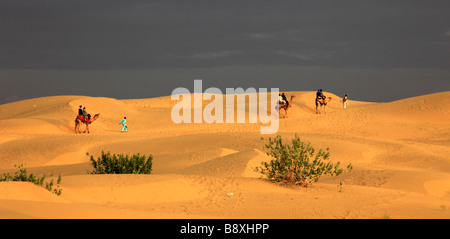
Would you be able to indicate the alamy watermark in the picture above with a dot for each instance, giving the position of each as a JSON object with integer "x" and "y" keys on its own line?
{"x": 257, "y": 106}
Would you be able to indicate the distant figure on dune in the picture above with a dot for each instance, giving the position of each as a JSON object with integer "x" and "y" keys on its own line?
{"x": 344, "y": 102}
{"x": 124, "y": 123}
{"x": 322, "y": 101}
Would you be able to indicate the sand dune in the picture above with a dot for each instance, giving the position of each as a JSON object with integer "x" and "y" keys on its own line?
{"x": 400, "y": 153}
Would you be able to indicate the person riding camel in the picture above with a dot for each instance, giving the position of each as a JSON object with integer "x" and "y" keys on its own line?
{"x": 82, "y": 112}
{"x": 281, "y": 100}
{"x": 285, "y": 99}
{"x": 319, "y": 94}
{"x": 87, "y": 117}
{"x": 83, "y": 115}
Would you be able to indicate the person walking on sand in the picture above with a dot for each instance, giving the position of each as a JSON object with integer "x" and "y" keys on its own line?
{"x": 124, "y": 123}
{"x": 344, "y": 101}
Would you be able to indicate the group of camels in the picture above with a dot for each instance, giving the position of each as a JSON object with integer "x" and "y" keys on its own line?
{"x": 321, "y": 104}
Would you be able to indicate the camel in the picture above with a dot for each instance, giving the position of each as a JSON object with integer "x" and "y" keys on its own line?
{"x": 286, "y": 107}
{"x": 323, "y": 103}
{"x": 78, "y": 122}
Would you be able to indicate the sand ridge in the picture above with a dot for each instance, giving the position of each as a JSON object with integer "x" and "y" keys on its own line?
{"x": 400, "y": 153}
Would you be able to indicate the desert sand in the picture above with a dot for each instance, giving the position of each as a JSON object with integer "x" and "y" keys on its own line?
{"x": 400, "y": 152}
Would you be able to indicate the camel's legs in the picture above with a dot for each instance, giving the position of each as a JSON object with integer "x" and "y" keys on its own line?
{"x": 317, "y": 107}
{"x": 77, "y": 127}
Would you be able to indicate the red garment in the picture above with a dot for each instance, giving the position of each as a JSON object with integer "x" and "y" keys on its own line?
{"x": 80, "y": 117}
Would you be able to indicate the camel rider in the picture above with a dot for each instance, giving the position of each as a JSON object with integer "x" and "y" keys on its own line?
{"x": 285, "y": 99}
{"x": 124, "y": 123}
{"x": 86, "y": 115}
{"x": 319, "y": 94}
{"x": 82, "y": 112}
{"x": 281, "y": 100}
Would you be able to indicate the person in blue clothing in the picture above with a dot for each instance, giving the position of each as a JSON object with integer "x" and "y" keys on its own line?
{"x": 319, "y": 97}
{"x": 319, "y": 94}
{"x": 124, "y": 123}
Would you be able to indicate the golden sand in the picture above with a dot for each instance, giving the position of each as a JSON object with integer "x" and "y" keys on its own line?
{"x": 400, "y": 152}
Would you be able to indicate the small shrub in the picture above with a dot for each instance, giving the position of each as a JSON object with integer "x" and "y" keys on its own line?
{"x": 297, "y": 163}
{"x": 22, "y": 175}
{"x": 120, "y": 164}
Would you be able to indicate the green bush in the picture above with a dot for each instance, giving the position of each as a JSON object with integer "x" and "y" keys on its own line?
{"x": 120, "y": 164}
{"x": 297, "y": 163}
{"x": 22, "y": 175}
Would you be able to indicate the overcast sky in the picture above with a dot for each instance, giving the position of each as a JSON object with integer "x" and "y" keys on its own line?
{"x": 380, "y": 50}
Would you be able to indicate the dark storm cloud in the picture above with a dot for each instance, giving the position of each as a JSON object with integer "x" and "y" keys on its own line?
{"x": 158, "y": 45}
{"x": 102, "y": 35}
